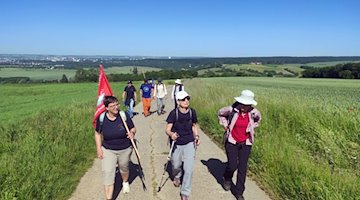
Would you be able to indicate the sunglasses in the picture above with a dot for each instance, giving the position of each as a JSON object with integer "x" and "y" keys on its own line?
{"x": 186, "y": 98}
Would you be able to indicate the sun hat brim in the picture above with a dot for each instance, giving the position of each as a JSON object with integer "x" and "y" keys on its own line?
{"x": 245, "y": 101}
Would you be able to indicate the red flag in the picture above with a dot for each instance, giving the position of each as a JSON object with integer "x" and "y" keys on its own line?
{"x": 104, "y": 89}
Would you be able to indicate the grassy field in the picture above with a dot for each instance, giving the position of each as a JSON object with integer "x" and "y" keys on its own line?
{"x": 56, "y": 74}
{"x": 307, "y": 146}
{"x": 273, "y": 67}
{"x": 308, "y": 143}
{"x": 37, "y": 74}
{"x": 47, "y": 141}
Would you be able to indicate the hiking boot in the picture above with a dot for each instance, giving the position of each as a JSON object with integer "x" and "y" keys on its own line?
{"x": 184, "y": 197}
{"x": 126, "y": 187}
{"x": 226, "y": 185}
{"x": 241, "y": 197}
{"x": 176, "y": 182}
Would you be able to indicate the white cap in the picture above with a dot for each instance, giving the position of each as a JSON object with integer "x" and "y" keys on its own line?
{"x": 178, "y": 81}
{"x": 181, "y": 95}
{"x": 246, "y": 97}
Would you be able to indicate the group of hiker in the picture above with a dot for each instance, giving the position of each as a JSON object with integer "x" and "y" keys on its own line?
{"x": 114, "y": 136}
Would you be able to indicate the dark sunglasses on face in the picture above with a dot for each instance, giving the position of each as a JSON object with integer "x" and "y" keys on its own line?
{"x": 186, "y": 98}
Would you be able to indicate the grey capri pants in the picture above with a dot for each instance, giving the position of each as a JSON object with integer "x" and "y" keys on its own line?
{"x": 110, "y": 158}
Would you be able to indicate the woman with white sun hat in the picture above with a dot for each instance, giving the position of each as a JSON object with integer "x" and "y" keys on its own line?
{"x": 239, "y": 121}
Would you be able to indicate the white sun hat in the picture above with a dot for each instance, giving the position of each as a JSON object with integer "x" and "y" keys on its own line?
{"x": 178, "y": 81}
{"x": 246, "y": 97}
{"x": 181, "y": 95}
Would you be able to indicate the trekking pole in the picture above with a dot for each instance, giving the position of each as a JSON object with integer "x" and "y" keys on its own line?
{"x": 166, "y": 164}
{"x": 142, "y": 176}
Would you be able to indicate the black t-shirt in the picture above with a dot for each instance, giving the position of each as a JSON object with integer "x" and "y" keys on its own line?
{"x": 130, "y": 90}
{"x": 182, "y": 126}
{"x": 114, "y": 132}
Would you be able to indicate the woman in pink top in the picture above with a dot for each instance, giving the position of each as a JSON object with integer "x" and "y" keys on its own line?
{"x": 239, "y": 121}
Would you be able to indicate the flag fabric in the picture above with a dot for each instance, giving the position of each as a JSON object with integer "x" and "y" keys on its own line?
{"x": 104, "y": 89}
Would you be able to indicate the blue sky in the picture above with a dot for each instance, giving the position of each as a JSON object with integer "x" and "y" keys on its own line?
{"x": 209, "y": 28}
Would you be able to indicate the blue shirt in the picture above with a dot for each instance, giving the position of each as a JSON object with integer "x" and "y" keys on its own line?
{"x": 146, "y": 90}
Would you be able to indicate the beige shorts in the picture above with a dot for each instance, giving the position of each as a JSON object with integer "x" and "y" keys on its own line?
{"x": 110, "y": 158}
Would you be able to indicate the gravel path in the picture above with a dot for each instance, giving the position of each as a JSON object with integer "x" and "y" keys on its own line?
{"x": 153, "y": 148}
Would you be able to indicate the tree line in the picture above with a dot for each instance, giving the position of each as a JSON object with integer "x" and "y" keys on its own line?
{"x": 92, "y": 75}
{"x": 344, "y": 71}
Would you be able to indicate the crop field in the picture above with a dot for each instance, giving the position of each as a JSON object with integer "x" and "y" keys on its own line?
{"x": 262, "y": 68}
{"x": 308, "y": 143}
{"x": 37, "y": 74}
{"x": 129, "y": 69}
{"x": 259, "y": 68}
{"x": 56, "y": 74}
{"x": 47, "y": 141}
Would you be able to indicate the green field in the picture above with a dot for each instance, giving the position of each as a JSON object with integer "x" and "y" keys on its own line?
{"x": 56, "y": 74}
{"x": 37, "y": 74}
{"x": 47, "y": 139}
{"x": 307, "y": 146}
{"x": 278, "y": 68}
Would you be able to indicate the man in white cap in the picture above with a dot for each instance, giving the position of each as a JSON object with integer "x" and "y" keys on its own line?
{"x": 182, "y": 128}
{"x": 239, "y": 121}
{"x": 176, "y": 88}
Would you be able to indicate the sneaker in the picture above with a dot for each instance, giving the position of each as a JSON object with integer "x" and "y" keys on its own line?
{"x": 176, "y": 182}
{"x": 126, "y": 187}
{"x": 227, "y": 185}
{"x": 184, "y": 197}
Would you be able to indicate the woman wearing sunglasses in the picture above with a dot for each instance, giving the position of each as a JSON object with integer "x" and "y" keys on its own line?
{"x": 182, "y": 128}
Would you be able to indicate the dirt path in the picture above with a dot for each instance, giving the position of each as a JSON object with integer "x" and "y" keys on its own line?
{"x": 153, "y": 148}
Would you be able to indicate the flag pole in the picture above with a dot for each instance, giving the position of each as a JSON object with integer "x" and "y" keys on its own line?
{"x": 131, "y": 139}
{"x": 142, "y": 176}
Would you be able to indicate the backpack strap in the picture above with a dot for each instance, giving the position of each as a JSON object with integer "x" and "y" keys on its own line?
{"x": 101, "y": 119}
{"x": 177, "y": 115}
{"x": 123, "y": 115}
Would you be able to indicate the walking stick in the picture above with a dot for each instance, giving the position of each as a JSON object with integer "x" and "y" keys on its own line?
{"x": 142, "y": 177}
{"x": 166, "y": 164}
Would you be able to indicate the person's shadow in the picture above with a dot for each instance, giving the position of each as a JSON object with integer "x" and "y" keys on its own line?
{"x": 216, "y": 167}
{"x": 134, "y": 172}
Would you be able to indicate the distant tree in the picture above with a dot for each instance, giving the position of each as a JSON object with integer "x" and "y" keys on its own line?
{"x": 346, "y": 74}
{"x": 135, "y": 70}
{"x": 64, "y": 79}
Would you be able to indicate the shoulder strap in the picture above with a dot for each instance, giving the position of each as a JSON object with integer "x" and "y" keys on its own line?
{"x": 101, "y": 119}
{"x": 231, "y": 116}
{"x": 122, "y": 115}
{"x": 177, "y": 114}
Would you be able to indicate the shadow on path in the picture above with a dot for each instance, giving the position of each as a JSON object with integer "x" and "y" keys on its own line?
{"x": 134, "y": 172}
{"x": 216, "y": 167}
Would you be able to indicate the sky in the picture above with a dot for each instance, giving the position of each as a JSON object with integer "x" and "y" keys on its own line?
{"x": 183, "y": 28}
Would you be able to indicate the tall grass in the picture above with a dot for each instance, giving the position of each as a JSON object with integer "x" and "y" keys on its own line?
{"x": 308, "y": 143}
{"x": 47, "y": 140}
{"x": 43, "y": 157}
